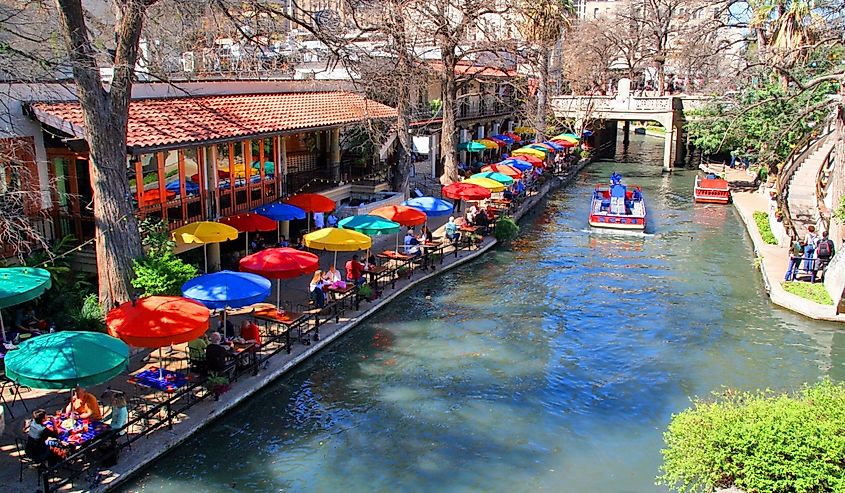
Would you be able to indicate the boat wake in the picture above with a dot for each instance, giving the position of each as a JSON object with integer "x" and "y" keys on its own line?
{"x": 618, "y": 232}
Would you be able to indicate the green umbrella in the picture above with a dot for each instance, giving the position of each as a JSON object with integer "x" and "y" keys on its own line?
{"x": 471, "y": 147}
{"x": 19, "y": 285}
{"x": 62, "y": 360}
{"x": 495, "y": 175}
{"x": 370, "y": 225}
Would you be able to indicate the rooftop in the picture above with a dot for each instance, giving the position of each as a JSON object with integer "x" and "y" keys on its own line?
{"x": 167, "y": 122}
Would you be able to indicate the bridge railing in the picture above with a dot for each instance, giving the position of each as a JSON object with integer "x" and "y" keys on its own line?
{"x": 608, "y": 104}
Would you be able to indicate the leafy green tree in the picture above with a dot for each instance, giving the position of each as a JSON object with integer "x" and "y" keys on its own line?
{"x": 160, "y": 271}
{"x": 506, "y": 229}
{"x": 759, "y": 442}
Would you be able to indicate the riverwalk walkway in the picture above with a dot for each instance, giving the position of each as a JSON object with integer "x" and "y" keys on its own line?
{"x": 774, "y": 259}
{"x": 186, "y": 422}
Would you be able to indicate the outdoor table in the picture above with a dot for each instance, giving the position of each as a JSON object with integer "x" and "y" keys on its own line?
{"x": 429, "y": 248}
{"x": 80, "y": 432}
{"x": 289, "y": 319}
{"x": 375, "y": 273}
{"x": 163, "y": 380}
{"x": 341, "y": 294}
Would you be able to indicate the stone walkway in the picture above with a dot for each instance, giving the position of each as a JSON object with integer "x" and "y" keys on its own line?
{"x": 774, "y": 260}
{"x": 203, "y": 413}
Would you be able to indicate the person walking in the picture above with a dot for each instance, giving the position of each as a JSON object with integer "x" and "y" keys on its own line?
{"x": 810, "y": 241}
{"x": 825, "y": 250}
{"x": 795, "y": 254}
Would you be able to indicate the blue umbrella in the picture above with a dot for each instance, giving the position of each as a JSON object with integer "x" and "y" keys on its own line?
{"x": 191, "y": 188}
{"x": 278, "y": 211}
{"x": 554, "y": 145}
{"x": 518, "y": 164}
{"x": 432, "y": 206}
{"x": 504, "y": 138}
{"x": 227, "y": 289}
{"x": 587, "y": 133}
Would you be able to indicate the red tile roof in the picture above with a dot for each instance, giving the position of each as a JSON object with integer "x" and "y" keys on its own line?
{"x": 171, "y": 121}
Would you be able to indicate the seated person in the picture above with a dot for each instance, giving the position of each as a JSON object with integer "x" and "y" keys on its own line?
{"x": 412, "y": 244}
{"x": 198, "y": 345}
{"x": 332, "y": 277}
{"x": 250, "y": 332}
{"x": 483, "y": 222}
{"x": 425, "y": 235}
{"x": 217, "y": 356}
{"x": 355, "y": 271}
{"x": 26, "y": 322}
{"x": 119, "y": 412}
{"x": 228, "y": 331}
{"x": 452, "y": 233}
{"x": 283, "y": 243}
{"x": 37, "y": 436}
{"x": 315, "y": 289}
{"x": 371, "y": 261}
{"x": 84, "y": 405}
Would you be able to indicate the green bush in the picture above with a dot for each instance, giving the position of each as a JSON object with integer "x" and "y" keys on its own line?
{"x": 162, "y": 274}
{"x": 759, "y": 442}
{"x": 762, "y": 220}
{"x": 506, "y": 229}
{"x": 811, "y": 291}
{"x": 89, "y": 316}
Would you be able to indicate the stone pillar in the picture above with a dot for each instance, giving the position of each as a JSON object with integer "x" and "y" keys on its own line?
{"x": 282, "y": 168}
{"x": 668, "y": 149}
{"x": 213, "y": 252}
{"x": 334, "y": 153}
{"x": 210, "y": 172}
{"x": 626, "y": 133}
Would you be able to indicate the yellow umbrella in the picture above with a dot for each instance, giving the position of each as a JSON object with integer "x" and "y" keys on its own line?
{"x": 204, "y": 232}
{"x": 492, "y": 185}
{"x": 337, "y": 240}
{"x": 529, "y": 151}
{"x": 566, "y": 137}
{"x": 524, "y": 130}
{"x": 487, "y": 143}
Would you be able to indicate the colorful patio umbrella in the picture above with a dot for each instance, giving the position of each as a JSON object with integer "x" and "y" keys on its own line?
{"x": 158, "y": 321}
{"x": 404, "y": 215}
{"x": 278, "y": 211}
{"x": 370, "y": 225}
{"x": 465, "y": 191}
{"x": 504, "y": 169}
{"x": 497, "y": 141}
{"x": 524, "y": 130}
{"x": 495, "y": 176}
{"x": 566, "y": 136}
{"x": 530, "y": 159}
{"x": 204, "y": 232}
{"x": 492, "y": 185}
{"x": 542, "y": 147}
{"x": 517, "y": 163}
{"x": 432, "y": 206}
{"x": 175, "y": 186}
{"x": 566, "y": 143}
{"x": 527, "y": 151}
{"x": 504, "y": 138}
{"x": 250, "y": 222}
{"x": 312, "y": 202}
{"x": 63, "y": 360}
{"x": 489, "y": 144}
{"x": 337, "y": 240}
{"x": 471, "y": 147}
{"x": 554, "y": 145}
{"x": 227, "y": 289}
{"x": 587, "y": 133}
{"x": 280, "y": 263}
{"x": 514, "y": 136}
{"x": 19, "y": 285}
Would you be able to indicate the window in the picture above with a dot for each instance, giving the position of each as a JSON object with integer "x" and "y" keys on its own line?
{"x": 596, "y": 13}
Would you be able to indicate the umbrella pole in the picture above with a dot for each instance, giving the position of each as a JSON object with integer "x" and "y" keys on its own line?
{"x": 278, "y": 232}
{"x": 278, "y": 294}
{"x": 3, "y": 328}
{"x": 205, "y": 257}
{"x": 335, "y": 259}
{"x": 246, "y": 246}
{"x": 160, "y": 365}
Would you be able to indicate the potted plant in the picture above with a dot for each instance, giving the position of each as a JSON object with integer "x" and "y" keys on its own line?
{"x": 217, "y": 385}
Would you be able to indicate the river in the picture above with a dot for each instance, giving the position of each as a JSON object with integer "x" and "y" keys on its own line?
{"x": 554, "y": 365}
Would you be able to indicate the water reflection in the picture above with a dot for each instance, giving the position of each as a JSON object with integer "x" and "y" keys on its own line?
{"x": 555, "y": 365}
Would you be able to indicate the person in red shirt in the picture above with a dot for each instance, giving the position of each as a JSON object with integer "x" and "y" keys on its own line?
{"x": 355, "y": 271}
{"x": 249, "y": 332}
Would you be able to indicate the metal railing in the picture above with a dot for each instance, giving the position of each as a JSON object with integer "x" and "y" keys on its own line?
{"x": 797, "y": 156}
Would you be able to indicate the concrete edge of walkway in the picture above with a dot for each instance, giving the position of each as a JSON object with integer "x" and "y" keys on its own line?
{"x": 186, "y": 429}
{"x": 771, "y": 281}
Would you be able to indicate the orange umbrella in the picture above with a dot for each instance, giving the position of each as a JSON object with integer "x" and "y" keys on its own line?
{"x": 250, "y": 222}
{"x": 503, "y": 169}
{"x": 312, "y": 202}
{"x": 158, "y": 321}
{"x": 406, "y": 216}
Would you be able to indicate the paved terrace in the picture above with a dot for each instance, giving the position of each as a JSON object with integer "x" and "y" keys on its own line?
{"x": 774, "y": 259}
{"x": 192, "y": 409}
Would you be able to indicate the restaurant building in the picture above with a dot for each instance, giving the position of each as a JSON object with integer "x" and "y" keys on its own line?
{"x": 209, "y": 150}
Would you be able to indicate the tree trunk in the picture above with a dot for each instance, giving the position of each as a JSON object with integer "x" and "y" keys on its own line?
{"x": 105, "y": 115}
{"x": 543, "y": 95}
{"x": 449, "y": 93}
{"x": 402, "y": 173}
{"x": 661, "y": 77}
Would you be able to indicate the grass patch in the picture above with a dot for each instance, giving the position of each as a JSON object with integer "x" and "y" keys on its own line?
{"x": 810, "y": 291}
{"x": 762, "y": 220}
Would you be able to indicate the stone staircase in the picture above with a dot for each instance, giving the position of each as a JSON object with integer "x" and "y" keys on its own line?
{"x": 802, "y": 200}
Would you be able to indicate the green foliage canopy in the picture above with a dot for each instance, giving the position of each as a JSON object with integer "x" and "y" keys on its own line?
{"x": 506, "y": 229}
{"x": 759, "y": 442}
{"x": 160, "y": 272}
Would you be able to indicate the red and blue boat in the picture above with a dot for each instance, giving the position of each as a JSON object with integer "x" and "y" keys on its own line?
{"x": 711, "y": 189}
{"x": 618, "y": 207}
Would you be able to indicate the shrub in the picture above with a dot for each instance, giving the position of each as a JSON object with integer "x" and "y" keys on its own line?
{"x": 585, "y": 154}
{"x": 162, "y": 274}
{"x": 759, "y": 442}
{"x": 811, "y": 291}
{"x": 762, "y": 220}
{"x": 506, "y": 229}
{"x": 89, "y": 316}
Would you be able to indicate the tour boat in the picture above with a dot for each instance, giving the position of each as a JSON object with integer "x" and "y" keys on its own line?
{"x": 616, "y": 207}
{"x": 711, "y": 190}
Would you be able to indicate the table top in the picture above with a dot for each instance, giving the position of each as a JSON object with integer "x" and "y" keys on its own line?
{"x": 163, "y": 380}
{"x": 500, "y": 201}
{"x": 80, "y": 432}
{"x": 349, "y": 287}
{"x": 393, "y": 255}
{"x": 378, "y": 269}
{"x": 273, "y": 315}
{"x": 467, "y": 227}
{"x": 239, "y": 347}
{"x": 431, "y": 244}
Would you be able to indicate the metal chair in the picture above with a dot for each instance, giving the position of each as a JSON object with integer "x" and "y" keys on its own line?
{"x": 26, "y": 462}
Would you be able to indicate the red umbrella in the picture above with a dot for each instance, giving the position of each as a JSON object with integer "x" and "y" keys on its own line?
{"x": 532, "y": 160}
{"x": 515, "y": 137}
{"x": 158, "y": 321}
{"x": 500, "y": 143}
{"x": 565, "y": 143}
{"x": 312, "y": 202}
{"x": 280, "y": 263}
{"x": 465, "y": 191}
{"x": 406, "y": 216}
{"x": 249, "y": 222}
